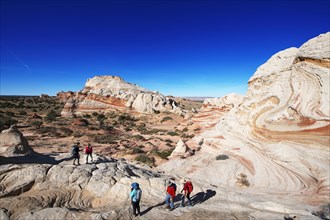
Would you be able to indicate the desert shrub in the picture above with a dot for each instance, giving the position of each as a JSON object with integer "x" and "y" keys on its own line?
{"x": 168, "y": 141}
{"x": 126, "y": 117}
{"x": 66, "y": 131}
{"x": 108, "y": 128}
{"x": 169, "y": 145}
{"x": 36, "y": 124}
{"x": 166, "y": 118}
{"x": 83, "y": 122}
{"x": 10, "y": 113}
{"x": 156, "y": 111}
{"x": 137, "y": 150}
{"x": 104, "y": 139}
{"x": 100, "y": 117}
{"x": 187, "y": 136}
{"x": 145, "y": 159}
{"x": 111, "y": 114}
{"x": 197, "y": 129}
{"x": 222, "y": 157}
{"x": 172, "y": 133}
{"x": 164, "y": 154}
{"x": 87, "y": 116}
{"x": 185, "y": 130}
{"x": 7, "y": 105}
{"x": 6, "y": 122}
{"x": 128, "y": 129}
{"x": 23, "y": 113}
{"x": 139, "y": 137}
{"x": 51, "y": 116}
{"x": 95, "y": 114}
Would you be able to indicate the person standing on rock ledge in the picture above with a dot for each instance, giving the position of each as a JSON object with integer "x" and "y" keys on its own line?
{"x": 170, "y": 194}
{"x": 88, "y": 152}
{"x": 135, "y": 196}
{"x": 75, "y": 153}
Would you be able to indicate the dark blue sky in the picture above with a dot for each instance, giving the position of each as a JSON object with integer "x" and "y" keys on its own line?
{"x": 181, "y": 48}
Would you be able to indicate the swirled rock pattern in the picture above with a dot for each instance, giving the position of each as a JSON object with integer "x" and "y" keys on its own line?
{"x": 102, "y": 93}
{"x": 278, "y": 137}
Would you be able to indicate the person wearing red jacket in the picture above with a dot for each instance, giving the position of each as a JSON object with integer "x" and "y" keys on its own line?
{"x": 187, "y": 188}
{"x": 170, "y": 194}
{"x": 88, "y": 152}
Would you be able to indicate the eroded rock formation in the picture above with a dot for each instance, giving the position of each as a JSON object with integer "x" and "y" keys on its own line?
{"x": 278, "y": 137}
{"x": 102, "y": 93}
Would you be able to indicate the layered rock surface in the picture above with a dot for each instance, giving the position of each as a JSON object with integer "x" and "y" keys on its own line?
{"x": 102, "y": 93}
{"x": 276, "y": 141}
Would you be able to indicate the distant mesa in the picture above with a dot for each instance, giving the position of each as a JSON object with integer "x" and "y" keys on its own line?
{"x": 106, "y": 93}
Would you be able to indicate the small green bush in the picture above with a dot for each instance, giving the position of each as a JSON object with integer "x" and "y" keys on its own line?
{"x": 6, "y": 122}
{"x": 36, "y": 123}
{"x": 166, "y": 118}
{"x": 222, "y": 157}
{"x": 23, "y": 113}
{"x": 164, "y": 154}
{"x": 172, "y": 133}
{"x": 51, "y": 116}
{"x": 139, "y": 137}
{"x": 137, "y": 150}
{"x": 145, "y": 159}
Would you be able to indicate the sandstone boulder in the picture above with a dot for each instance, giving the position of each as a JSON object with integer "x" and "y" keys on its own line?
{"x": 13, "y": 142}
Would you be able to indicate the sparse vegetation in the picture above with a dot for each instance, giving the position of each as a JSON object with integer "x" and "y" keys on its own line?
{"x": 105, "y": 139}
{"x": 36, "y": 124}
{"x": 145, "y": 159}
{"x": 6, "y": 122}
{"x": 222, "y": 157}
{"x": 172, "y": 133}
{"x": 166, "y": 118}
{"x": 164, "y": 154}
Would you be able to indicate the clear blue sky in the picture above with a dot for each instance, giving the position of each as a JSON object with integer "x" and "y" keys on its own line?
{"x": 177, "y": 47}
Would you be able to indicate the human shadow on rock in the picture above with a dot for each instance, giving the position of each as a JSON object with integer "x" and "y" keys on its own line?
{"x": 32, "y": 158}
{"x": 202, "y": 196}
{"x": 176, "y": 199}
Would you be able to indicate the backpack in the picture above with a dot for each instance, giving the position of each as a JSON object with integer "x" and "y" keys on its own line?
{"x": 190, "y": 186}
{"x": 138, "y": 194}
{"x": 174, "y": 186}
{"x": 74, "y": 150}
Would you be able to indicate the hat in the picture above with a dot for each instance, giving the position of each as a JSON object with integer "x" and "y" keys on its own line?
{"x": 183, "y": 180}
{"x": 77, "y": 143}
{"x": 134, "y": 185}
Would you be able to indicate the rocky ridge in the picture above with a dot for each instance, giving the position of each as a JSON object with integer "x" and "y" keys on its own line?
{"x": 104, "y": 93}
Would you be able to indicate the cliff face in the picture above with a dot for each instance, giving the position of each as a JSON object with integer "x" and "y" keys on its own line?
{"x": 277, "y": 139}
{"x": 102, "y": 93}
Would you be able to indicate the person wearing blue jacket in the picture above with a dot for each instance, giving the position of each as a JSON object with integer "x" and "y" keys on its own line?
{"x": 135, "y": 196}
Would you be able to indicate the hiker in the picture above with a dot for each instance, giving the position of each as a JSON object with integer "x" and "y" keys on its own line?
{"x": 135, "y": 196}
{"x": 170, "y": 194}
{"x": 88, "y": 152}
{"x": 187, "y": 188}
{"x": 75, "y": 153}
